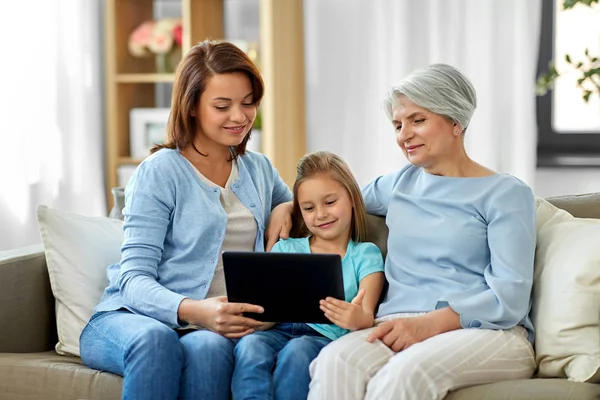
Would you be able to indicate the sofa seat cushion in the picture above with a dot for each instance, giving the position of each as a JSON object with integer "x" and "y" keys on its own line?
{"x": 50, "y": 376}
{"x": 529, "y": 389}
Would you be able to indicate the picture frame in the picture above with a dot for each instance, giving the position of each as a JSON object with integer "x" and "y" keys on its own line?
{"x": 147, "y": 127}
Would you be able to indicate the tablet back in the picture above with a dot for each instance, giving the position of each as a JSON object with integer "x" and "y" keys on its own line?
{"x": 287, "y": 285}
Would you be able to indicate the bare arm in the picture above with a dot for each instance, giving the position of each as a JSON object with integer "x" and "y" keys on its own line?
{"x": 360, "y": 313}
{"x": 372, "y": 285}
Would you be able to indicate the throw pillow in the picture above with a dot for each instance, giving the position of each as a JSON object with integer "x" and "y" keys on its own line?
{"x": 566, "y": 295}
{"x": 78, "y": 251}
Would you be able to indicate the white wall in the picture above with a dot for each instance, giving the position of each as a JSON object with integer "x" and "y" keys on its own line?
{"x": 560, "y": 181}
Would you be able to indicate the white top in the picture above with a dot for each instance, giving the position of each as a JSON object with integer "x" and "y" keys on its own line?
{"x": 240, "y": 234}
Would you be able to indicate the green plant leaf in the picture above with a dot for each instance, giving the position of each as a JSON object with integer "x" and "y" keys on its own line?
{"x": 568, "y": 58}
{"x": 586, "y": 95}
{"x": 572, "y": 3}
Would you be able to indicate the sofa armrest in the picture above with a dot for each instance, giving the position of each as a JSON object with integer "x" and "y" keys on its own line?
{"x": 27, "y": 322}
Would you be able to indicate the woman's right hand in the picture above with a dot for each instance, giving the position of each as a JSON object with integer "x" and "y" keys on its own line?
{"x": 219, "y": 316}
{"x": 280, "y": 224}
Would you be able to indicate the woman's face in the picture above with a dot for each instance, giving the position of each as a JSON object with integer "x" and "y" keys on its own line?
{"x": 225, "y": 112}
{"x": 425, "y": 138}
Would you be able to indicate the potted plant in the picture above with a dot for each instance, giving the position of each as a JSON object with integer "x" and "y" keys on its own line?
{"x": 588, "y": 66}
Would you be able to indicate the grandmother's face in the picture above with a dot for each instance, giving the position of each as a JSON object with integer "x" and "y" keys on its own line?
{"x": 425, "y": 138}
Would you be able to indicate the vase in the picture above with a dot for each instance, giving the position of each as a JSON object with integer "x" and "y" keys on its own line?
{"x": 162, "y": 63}
{"x": 167, "y": 62}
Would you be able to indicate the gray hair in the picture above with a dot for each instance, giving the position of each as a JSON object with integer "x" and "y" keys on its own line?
{"x": 439, "y": 88}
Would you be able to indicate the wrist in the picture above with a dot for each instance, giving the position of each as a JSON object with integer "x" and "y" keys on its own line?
{"x": 188, "y": 312}
{"x": 184, "y": 313}
{"x": 367, "y": 320}
{"x": 443, "y": 320}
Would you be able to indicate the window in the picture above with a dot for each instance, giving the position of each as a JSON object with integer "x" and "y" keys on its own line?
{"x": 568, "y": 128}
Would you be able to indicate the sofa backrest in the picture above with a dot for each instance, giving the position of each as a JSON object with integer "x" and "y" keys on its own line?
{"x": 27, "y": 318}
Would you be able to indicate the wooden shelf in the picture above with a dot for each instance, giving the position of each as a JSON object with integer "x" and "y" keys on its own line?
{"x": 144, "y": 78}
{"x": 129, "y": 161}
{"x": 131, "y": 81}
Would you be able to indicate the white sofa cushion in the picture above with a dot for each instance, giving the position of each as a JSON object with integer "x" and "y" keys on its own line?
{"x": 566, "y": 295}
{"x": 78, "y": 251}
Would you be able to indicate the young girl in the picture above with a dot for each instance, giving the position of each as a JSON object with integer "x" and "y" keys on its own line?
{"x": 329, "y": 217}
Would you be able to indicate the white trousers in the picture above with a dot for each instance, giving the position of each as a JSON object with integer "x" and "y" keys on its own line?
{"x": 352, "y": 368}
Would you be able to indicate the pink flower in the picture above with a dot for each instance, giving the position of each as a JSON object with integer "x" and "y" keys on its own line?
{"x": 160, "y": 43}
{"x": 178, "y": 34}
{"x": 139, "y": 39}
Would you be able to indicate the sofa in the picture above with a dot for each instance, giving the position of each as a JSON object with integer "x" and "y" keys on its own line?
{"x": 30, "y": 368}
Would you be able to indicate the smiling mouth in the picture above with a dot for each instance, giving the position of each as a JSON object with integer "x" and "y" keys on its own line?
{"x": 410, "y": 149}
{"x": 235, "y": 129}
{"x": 325, "y": 225}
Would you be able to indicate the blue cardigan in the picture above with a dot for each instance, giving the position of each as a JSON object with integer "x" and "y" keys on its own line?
{"x": 174, "y": 229}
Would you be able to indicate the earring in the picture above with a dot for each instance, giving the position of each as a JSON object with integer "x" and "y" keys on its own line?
{"x": 456, "y": 133}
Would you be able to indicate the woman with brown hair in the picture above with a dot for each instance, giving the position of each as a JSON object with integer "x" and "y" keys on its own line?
{"x": 197, "y": 195}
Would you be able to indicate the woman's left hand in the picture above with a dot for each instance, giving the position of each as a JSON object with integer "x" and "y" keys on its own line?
{"x": 401, "y": 333}
{"x": 280, "y": 224}
{"x": 347, "y": 315}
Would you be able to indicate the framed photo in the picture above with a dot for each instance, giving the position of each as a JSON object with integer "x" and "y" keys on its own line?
{"x": 147, "y": 127}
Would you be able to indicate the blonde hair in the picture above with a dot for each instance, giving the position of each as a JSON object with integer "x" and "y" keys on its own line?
{"x": 328, "y": 164}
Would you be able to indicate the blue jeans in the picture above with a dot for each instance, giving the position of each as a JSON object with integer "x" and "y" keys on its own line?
{"x": 154, "y": 361}
{"x": 274, "y": 363}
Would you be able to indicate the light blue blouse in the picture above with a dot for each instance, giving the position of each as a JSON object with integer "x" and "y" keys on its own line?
{"x": 174, "y": 228}
{"x": 467, "y": 243}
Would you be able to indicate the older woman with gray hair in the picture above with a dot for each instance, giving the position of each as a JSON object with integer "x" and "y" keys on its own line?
{"x": 459, "y": 265}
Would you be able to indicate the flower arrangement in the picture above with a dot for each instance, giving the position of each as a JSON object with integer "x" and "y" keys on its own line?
{"x": 161, "y": 38}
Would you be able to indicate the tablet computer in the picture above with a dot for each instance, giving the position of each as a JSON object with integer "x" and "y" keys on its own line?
{"x": 288, "y": 286}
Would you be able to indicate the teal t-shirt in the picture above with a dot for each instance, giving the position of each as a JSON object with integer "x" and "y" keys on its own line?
{"x": 361, "y": 259}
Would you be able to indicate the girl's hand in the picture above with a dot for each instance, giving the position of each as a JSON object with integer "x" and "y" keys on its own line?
{"x": 347, "y": 315}
{"x": 219, "y": 316}
{"x": 280, "y": 224}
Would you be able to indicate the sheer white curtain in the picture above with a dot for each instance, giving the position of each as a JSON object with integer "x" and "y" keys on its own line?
{"x": 51, "y": 146}
{"x": 357, "y": 49}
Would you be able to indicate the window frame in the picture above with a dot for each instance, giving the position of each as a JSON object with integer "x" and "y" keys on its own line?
{"x": 555, "y": 149}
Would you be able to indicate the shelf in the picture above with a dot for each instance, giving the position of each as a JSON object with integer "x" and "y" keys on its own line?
{"x": 129, "y": 161}
{"x": 145, "y": 78}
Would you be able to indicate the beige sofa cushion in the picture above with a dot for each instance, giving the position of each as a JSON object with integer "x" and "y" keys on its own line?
{"x": 566, "y": 295}
{"x": 78, "y": 251}
{"x": 50, "y": 376}
{"x": 529, "y": 389}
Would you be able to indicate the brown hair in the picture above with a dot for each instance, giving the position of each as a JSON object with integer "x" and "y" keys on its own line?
{"x": 328, "y": 164}
{"x": 203, "y": 61}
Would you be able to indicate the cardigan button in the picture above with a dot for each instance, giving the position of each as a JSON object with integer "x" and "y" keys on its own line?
{"x": 252, "y": 205}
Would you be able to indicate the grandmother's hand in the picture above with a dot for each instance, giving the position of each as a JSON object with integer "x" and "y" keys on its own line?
{"x": 280, "y": 224}
{"x": 401, "y": 333}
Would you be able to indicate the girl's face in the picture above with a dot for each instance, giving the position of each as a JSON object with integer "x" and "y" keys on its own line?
{"x": 425, "y": 138}
{"x": 225, "y": 112}
{"x": 326, "y": 207}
